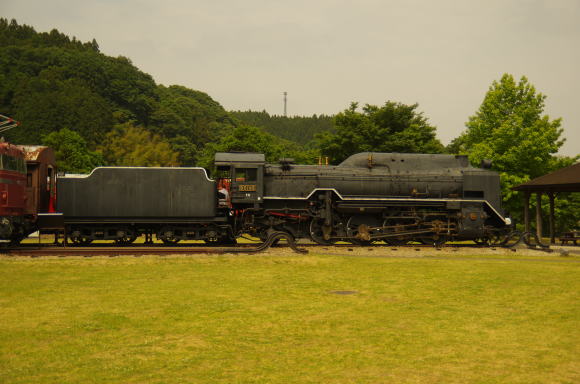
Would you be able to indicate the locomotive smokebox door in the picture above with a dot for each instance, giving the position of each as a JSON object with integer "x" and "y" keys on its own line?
{"x": 246, "y": 184}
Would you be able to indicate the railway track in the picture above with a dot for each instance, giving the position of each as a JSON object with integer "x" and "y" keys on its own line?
{"x": 111, "y": 250}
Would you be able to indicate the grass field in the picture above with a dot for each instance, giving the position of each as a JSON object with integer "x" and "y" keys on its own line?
{"x": 277, "y": 318}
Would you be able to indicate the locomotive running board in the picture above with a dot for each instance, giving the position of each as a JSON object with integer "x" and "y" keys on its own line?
{"x": 391, "y": 199}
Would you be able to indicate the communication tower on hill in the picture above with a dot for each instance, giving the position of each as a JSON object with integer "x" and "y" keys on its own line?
{"x": 285, "y": 100}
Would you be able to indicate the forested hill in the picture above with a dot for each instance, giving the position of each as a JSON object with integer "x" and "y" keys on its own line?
{"x": 299, "y": 129}
{"x": 56, "y": 85}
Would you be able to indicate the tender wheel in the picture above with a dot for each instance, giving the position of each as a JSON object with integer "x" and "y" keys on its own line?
{"x": 125, "y": 237}
{"x": 167, "y": 236}
{"x": 81, "y": 240}
{"x": 212, "y": 237}
{"x": 125, "y": 240}
{"x": 77, "y": 237}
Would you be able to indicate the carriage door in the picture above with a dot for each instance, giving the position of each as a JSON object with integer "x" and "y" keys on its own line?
{"x": 247, "y": 184}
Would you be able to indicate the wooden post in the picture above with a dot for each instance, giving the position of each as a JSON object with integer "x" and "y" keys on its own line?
{"x": 552, "y": 218}
{"x": 526, "y": 211}
{"x": 539, "y": 215}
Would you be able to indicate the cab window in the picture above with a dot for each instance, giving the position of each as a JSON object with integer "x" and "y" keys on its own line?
{"x": 246, "y": 174}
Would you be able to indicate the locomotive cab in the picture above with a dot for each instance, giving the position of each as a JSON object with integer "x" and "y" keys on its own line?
{"x": 242, "y": 175}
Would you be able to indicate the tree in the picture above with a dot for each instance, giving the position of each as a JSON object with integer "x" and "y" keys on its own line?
{"x": 300, "y": 129}
{"x": 186, "y": 149}
{"x": 510, "y": 129}
{"x": 394, "y": 127}
{"x": 254, "y": 139}
{"x": 49, "y": 81}
{"x": 48, "y": 102}
{"x": 72, "y": 153}
{"x": 128, "y": 145}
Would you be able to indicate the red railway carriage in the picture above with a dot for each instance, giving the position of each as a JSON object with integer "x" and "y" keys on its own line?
{"x": 40, "y": 179}
{"x": 27, "y": 188}
{"x": 14, "y": 218}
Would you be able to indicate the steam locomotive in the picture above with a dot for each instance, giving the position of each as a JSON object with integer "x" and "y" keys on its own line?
{"x": 369, "y": 197}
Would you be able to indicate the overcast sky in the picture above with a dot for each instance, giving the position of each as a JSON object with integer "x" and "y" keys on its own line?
{"x": 441, "y": 54}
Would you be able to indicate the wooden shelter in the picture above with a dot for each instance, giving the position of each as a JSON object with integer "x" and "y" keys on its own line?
{"x": 563, "y": 180}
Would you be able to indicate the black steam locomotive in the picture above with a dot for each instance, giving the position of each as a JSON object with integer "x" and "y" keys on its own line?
{"x": 370, "y": 197}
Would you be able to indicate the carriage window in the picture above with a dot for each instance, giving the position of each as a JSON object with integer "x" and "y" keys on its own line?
{"x": 246, "y": 174}
{"x": 9, "y": 163}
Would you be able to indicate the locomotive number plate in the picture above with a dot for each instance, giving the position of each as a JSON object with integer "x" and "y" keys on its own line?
{"x": 247, "y": 188}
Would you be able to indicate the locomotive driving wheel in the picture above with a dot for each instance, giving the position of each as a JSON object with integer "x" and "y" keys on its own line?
{"x": 320, "y": 233}
{"x": 358, "y": 229}
{"x": 395, "y": 226}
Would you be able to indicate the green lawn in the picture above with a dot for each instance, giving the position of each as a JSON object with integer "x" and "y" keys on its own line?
{"x": 275, "y": 319}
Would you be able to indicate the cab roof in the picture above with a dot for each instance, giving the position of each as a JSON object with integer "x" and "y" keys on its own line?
{"x": 226, "y": 158}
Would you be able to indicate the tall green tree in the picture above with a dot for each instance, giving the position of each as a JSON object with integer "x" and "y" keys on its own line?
{"x": 511, "y": 129}
{"x": 394, "y": 127}
{"x": 48, "y": 102}
{"x": 128, "y": 145}
{"x": 72, "y": 152}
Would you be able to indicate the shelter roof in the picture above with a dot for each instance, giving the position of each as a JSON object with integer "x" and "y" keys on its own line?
{"x": 563, "y": 180}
